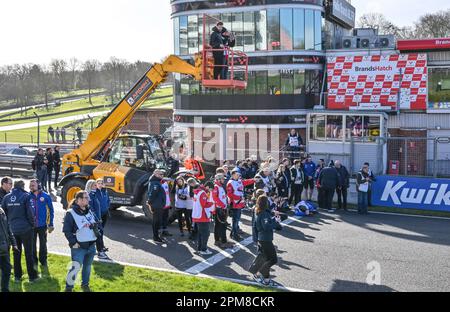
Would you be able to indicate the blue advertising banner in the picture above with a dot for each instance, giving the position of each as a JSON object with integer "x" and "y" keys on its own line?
{"x": 412, "y": 193}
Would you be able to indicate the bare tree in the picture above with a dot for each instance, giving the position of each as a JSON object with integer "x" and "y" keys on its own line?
{"x": 74, "y": 65}
{"x": 59, "y": 69}
{"x": 377, "y": 21}
{"x": 42, "y": 79}
{"x": 90, "y": 71}
{"x": 434, "y": 25}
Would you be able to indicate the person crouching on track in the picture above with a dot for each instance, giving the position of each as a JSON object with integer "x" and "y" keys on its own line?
{"x": 263, "y": 227}
{"x": 166, "y": 210}
{"x": 201, "y": 216}
{"x": 219, "y": 197}
{"x": 235, "y": 193}
{"x": 81, "y": 231}
{"x": 181, "y": 202}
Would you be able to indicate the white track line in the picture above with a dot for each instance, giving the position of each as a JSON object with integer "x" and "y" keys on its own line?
{"x": 234, "y": 280}
{"x": 211, "y": 261}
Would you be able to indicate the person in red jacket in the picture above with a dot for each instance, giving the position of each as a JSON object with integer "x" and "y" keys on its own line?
{"x": 219, "y": 197}
{"x": 201, "y": 215}
{"x": 235, "y": 193}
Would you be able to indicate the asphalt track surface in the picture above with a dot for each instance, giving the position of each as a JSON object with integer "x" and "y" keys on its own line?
{"x": 326, "y": 252}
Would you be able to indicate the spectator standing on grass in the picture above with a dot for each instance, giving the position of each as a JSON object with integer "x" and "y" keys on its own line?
{"x": 63, "y": 134}
{"x": 51, "y": 133}
{"x": 57, "y": 134}
{"x": 309, "y": 169}
{"x": 344, "y": 184}
{"x": 201, "y": 216}
{"x": 362, "y": 187}
{"x": 79, "y": 133}
{"x": 297, "y": 181}
{"x": 80, "y": 231}
{"x": 6, "y": 241}
{"x": 56, "y": 164}
{"x": 22, "y": 222}
{"x": 50, "y": 161}
{"x": 263, "y": 225}
{"x": 328, "y": 181}
{"x": 42, "y": 206}
{"x": 372, "y": 179}
{"x": 157, "y": 202}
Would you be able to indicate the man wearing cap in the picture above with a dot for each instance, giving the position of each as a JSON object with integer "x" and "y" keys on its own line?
{"x": 219, "y": 198}
{"x": 235, "y": 193}
{"x": 157, "y": 202}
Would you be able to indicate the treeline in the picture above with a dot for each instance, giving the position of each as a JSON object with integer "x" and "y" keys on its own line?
{"x": 430, "y": 25}
{"x": 26, "y": 84}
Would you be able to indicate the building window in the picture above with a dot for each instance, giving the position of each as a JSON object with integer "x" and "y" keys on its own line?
{"x": 317, "y": 128}
{"x": 238, "y": 29}
{"x": 299, "y": 29}
{"x": 318, "y": 30}
{"x": 286, "y": 29}
{"x": 363, "y": 128}
{"x": 249, "y": 32}
{"x": 287, "y": 82}
{"x": 334, "y": 130}
{"x": 251, "y": 83}
{"x": 185, "y": 81}
{"x": 184, "y": 35}
{"x": 176, "y": 27}
{"x": 439, "y": 88}
{"x": 261, "y": 82}
{"x": 309, "y": 30}
{"x": 273, "y": 29}
{"x": 261, "y": 30}
{"x": 193, "y": 34}
{"x": 274, "y": 82}
{"x": 299, "y": 82}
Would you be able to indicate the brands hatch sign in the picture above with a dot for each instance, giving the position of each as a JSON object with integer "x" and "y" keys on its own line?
{"x": 412, "y": 193}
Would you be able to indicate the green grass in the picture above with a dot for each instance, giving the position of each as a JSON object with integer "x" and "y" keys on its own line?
{"x": 107, "y": 277}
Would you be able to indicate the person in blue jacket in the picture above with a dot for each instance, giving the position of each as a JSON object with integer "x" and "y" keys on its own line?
{"x": 263, "y": 225}
{"x": 99, "y": 203}
{"x": 42, "y": 207}
{"x": 22, "y": 221}
{"x": 156, "y": 202}
{"x": 309, "y": 169}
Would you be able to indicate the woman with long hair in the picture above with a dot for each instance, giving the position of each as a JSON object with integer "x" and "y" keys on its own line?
{"x": 264, "y": 224}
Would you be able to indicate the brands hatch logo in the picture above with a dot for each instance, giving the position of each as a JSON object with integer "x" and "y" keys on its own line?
{"x": 373, "y": 68}
{"x": 436, "y": 194}
{"x": 243, "y": 119}
{"x": 240, "y": 119}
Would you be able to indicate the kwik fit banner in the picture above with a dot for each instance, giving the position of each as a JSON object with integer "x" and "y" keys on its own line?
{"x": 412, "y": 193}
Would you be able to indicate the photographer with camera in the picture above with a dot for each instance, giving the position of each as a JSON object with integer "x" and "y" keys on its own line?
{"x": 82, "y": 231}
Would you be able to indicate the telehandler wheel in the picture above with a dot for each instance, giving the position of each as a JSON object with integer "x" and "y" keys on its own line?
{"x": 70, "y": 189}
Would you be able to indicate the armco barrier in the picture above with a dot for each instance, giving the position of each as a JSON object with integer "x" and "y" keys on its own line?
{"x": 412, "y": 193}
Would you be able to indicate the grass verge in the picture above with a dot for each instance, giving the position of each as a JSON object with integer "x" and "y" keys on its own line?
{"x": 107, "y": 277}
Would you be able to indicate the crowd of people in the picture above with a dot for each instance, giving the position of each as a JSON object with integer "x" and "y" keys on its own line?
{"x": 58, "y": 135}
{"x": 44, "y": 164}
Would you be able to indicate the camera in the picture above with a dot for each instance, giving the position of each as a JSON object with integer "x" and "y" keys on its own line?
{"x": 94, "y": 227}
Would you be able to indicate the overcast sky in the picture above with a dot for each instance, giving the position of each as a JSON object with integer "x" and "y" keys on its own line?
{"x": 38, "y": 30}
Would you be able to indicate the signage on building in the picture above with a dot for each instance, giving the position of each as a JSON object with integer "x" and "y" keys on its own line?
{"x": 388, "y": 82}
{"x": 342, "y": 12}
{"x": 244, "y": 119}
{"x": 411, "y": 193}
{"x": 423, "y": 44}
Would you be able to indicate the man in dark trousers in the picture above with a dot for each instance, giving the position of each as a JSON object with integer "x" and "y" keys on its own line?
{"x": 79, "y": 134}
{"x": 40, "y": 167}
{"x": 157, "y": 202}
{"x": 51, "y": 133}
{"x": 6, "y": 241}
{"x": 344, "y": 184}
{"x": 22, "y": 223}
{"x": 56, "y": 164}
{"x": 217, "y": 42}
{"x": 328, "y": 181}
{"x": 49, "y": 157}
{"x": 372, "y": 179}
{"x": 297, "y": 180}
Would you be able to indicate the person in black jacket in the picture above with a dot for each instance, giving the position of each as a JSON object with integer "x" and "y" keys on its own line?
{"x": 328, "y": 181}
{"x": 56, "y": 164}
{"x": 297, "y": 180}
{"x": 40, "y": 167}
{"x": 22, "y": 221}
{"x": 157, "y": 202}
{"x": 81, "y": 229}
{"x": 5, "y": 188}
{"x": 282, "y": 181}
{"x": 344, "y": 184}
{"x": 49, "y": 157}
{"x": 217, "y": 42}
{"x": 372, "y": 179}
{"x": 6, "y": 241}
{"x": 263, "y": 225}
